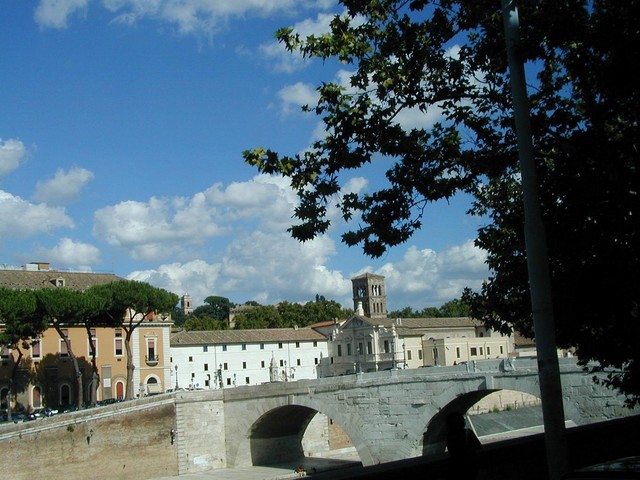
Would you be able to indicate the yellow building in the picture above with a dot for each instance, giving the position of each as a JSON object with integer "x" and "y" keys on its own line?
{"x": 46, "y": 375}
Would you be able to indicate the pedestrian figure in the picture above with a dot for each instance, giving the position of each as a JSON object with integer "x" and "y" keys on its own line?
{"x": 463, "y": 446}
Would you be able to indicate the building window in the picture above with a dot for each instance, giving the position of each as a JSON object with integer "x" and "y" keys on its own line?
{"x": 225, "y": 366}
{"x": 501, "y": 349}
{"x": 488, "y": 351}
{"x": 315, "y": 361}
{"x": 93, "y": 345}
{"x": 359, "y": 347}
{"x": 457, "y": 352}
{"x": 206, "y": 367}
{"x": 224, "y": 348}
{"x": 419, "y": 354}
{"x": 481, "y": 349}
{"x": 315, "y": 343}
{"x": 152, "y": 354}
{"x": 282, "y": 363}
{"x": 244, "y": 346}
{"x": 35, "y": 349}
{"x": 408, "y": 354}
{"x": 298, "y": 362}
{"x": 118, "y": 347}
{"x": 262, "y": 363}
{"x": 279, "y": 344}
{"x": 246, "y": 380}
{"x": 244, "y": 365}
{"x": 369, "y": 347}
{"x": 386, "y": 346}
{"x": 339, "y": 350}
{"x": 228, "y": 381}
{"x": 64, "y": 352}
{"x": 297, "y": 344}
{"x": 262, "y": 346}
{"x": 191, "y": 359}
{"x": 205, "y": 348}
{"x": 348, "y": 349}
{"x": 474, "y": 351}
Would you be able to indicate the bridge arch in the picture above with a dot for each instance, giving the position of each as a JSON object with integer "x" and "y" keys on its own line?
{"x": 274, "y": 434}
{"x": 434, "y": 437}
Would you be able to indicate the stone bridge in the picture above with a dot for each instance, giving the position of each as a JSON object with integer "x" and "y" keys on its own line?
{"x": 388, "y": 415}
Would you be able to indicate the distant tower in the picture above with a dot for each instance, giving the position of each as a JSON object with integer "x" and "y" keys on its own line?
{"x": 187, "y": 304}
{"x": 368, "y": 289}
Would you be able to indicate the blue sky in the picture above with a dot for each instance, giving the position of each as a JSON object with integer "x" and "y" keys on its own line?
{"x": 122, "y": 126}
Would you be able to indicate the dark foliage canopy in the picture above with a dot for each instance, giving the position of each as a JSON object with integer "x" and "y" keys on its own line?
{"x": 448, "y": 58}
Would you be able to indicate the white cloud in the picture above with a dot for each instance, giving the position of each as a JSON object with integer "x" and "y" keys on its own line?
{"x": 425, "y": 277}
{"x": 187, "y": 16}
{"x": 64, "y": 187}
{"x": 298, "y": 95}
{"x": 267, "y": 268}
{"x": 70, "y": 254}
{"x": 158, "y": 228}
{"x": 196, "y": 278}
{"x": 265, "y": 198}
{"x": 56, "y": 13}
{"x": 201, "y": 16}
{"x": 12, "y": 151}
{"x": 22, "y": 219}
{"x": 163, "y": 227}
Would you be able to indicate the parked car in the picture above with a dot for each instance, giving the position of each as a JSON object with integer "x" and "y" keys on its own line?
{"x": 44, "y": 412}
{"x": 623, "y": 468}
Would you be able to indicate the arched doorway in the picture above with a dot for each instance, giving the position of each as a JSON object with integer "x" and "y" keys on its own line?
{"x": 65, "y": 395}
{"x": 36, "y": 397}
{"x": 4, "y": 393}
{"x": 120, "y": 390}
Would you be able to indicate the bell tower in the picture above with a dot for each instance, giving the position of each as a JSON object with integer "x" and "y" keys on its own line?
{"x": 368, "y": 289}
{"x": 187, "y": 304}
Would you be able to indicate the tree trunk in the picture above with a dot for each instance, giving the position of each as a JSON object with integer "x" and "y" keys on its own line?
{"x": 130, "y": 366}
{"x": 95, "y": 377}
{"x": 76, "y": 366}
{"x": 12, "y": 383}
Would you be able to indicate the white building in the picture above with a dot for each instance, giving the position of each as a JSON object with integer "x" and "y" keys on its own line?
{"x": 229, "y": 358}
{"x": 369, "y": 341}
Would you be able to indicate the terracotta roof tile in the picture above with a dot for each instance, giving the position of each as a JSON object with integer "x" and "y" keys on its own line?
{"x": 211, "y": 337}
{"x": 436, "y": 322}
{"x": 26, "y": 279}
